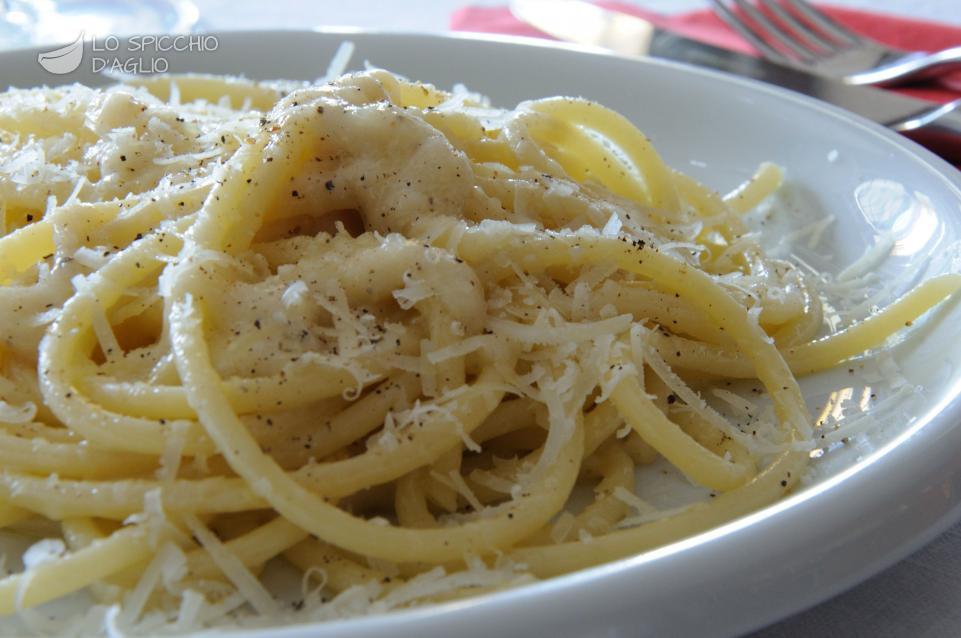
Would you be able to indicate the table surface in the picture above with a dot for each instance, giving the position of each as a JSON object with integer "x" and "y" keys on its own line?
{"x": 433, "y": 15}
{"x": 921, "y": 595}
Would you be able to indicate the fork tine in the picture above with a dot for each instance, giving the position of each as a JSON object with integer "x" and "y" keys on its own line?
{"x": 799, "y": 27}
{"x": 735, "y": 22}
{"x": 773, "y": 31}
{"x": 825, "y": 22}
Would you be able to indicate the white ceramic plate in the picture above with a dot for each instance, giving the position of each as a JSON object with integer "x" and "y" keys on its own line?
{"x": 868, "y": 503}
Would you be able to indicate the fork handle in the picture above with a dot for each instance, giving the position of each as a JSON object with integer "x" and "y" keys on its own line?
{"x": 909, "y": 68}
{"x": 938, "y": 129}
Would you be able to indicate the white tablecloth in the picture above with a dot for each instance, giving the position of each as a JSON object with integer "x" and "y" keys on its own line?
{"x": 918, "y": 597}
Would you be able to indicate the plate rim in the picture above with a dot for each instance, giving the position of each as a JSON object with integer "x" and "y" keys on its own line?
{"x": 910, "y": 443}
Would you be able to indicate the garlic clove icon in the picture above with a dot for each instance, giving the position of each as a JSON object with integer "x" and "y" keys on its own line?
{"x": 65, "y": 59}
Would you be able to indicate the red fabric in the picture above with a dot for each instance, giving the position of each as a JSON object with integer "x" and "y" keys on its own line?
{"x": 703, "y": 25}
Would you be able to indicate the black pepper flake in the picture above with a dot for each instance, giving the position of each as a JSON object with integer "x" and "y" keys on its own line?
{"x": 257, "y": 324}
{"x": 329, "y": 184}
{"x": 294, "y": 193}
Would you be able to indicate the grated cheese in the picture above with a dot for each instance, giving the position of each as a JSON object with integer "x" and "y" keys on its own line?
{"x": 694, "y": 400}
{"x": 413, "y": 292}
{"x": 43, "y": 551}
{"x": 188, "y": 158}
{"x": 136, "y": 600}
{"x": 294, "y": 295}
{"x": 339, "y": 62}
{"x": 562, "y": 527}
{"x": 870, "y": 259}
{"x": 491, "y": 481}
{"x": 557, "y": 335}
{"x": 455, "y": 481}
{"x": 247, "y": 585}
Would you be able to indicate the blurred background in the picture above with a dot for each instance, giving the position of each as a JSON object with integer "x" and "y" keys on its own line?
{"x": 26, "y": 22}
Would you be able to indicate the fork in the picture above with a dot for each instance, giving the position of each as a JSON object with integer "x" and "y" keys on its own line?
{"x": 793, "y": 32}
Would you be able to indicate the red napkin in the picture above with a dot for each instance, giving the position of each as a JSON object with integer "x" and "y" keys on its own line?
{"x": 703, "y": 25}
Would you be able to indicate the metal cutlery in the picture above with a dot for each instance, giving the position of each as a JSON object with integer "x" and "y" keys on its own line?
{"x": 794, "y": 33}
{"x": 937, "y": 126}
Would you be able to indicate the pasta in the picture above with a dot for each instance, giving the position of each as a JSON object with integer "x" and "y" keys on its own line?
{"x": 380, "y": 331}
